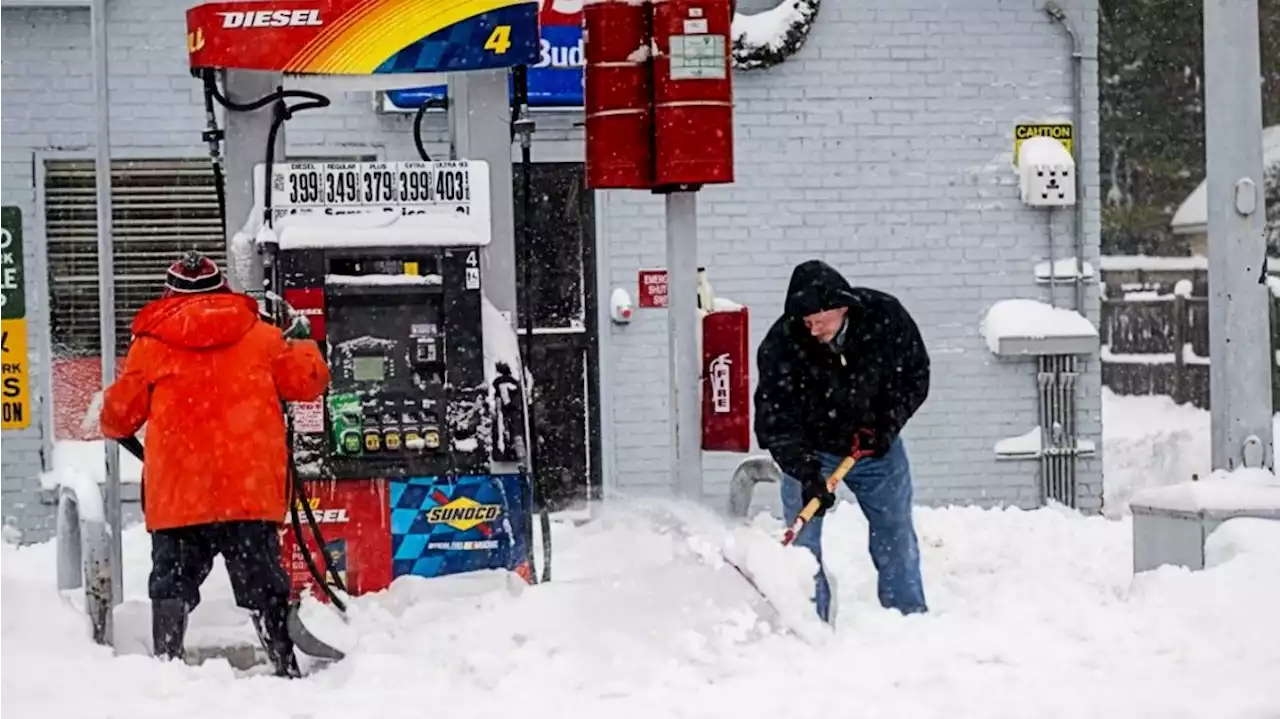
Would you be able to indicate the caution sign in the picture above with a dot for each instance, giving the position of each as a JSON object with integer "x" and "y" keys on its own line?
{"x": 16, "y": 392}
{"x": 1060, "y": 131}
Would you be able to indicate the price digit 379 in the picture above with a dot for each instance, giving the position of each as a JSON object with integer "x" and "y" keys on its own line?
{"x": 378, "y": 186}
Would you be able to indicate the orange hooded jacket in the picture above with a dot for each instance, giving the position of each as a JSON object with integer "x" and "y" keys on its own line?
{"x": 207, "y": 376}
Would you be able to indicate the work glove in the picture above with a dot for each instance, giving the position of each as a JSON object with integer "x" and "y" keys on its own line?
{"x": 866, "y": 443}
{"x": 815, "y": 487}
{"x": 299, "y": 328}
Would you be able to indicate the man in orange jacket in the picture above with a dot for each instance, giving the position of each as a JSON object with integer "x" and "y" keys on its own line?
{"x": 207, "y": 376}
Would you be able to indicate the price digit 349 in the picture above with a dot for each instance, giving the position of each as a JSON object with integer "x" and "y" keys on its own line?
{"x": 342, "y": 187}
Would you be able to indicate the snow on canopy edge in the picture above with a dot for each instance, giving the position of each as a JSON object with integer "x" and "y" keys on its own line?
{"x": 1242, "y": 489}
{"x": 1026, "y": 318}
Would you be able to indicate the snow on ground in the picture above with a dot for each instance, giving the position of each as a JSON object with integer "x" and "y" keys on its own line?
{"x": 1034, "y": 613}
{"x": 1149, "y": 442}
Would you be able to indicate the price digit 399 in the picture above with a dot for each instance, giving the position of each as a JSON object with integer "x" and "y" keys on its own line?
{"x": 304, "y": 187}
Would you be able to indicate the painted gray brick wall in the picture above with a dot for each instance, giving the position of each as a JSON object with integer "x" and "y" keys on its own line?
{"x": 883, "y": 147}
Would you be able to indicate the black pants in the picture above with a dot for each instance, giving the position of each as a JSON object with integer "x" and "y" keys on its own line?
{"x": 182, "y": 558}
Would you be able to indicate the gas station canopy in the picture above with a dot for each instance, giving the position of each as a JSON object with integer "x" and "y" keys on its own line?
{"x": 363, "y": 37}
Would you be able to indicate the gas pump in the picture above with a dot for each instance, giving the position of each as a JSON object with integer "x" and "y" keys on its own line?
{"x": 414, "y": 461}
{"x": 420, "y": 415}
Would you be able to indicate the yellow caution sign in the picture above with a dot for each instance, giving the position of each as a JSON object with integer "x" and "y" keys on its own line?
{"x": 1063, "y": 132}
{"x": 14, "y": 385}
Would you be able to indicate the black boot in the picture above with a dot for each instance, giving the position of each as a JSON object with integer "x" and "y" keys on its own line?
{"x": 273, "y": 631}
{"x": 168, "y": 628}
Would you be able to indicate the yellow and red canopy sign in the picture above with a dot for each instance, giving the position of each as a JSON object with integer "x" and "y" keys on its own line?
{"x": 363, "y": 37}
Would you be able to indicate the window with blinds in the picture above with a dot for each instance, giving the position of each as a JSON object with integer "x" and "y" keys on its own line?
{"x": 160, "y": 209}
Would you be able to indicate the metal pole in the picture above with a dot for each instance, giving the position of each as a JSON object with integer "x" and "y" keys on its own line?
{"x": 246, "y": 147}
{"x": 106, "y": 283}
{"x": 480, "y": 129}
{"x": 682, "y": 335}
{"x": 1239, "y": 301}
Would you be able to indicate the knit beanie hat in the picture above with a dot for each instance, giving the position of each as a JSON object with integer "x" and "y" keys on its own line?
{"x": 193, "y": 274}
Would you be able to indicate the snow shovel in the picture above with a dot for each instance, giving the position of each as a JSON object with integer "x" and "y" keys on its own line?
{"x": 794, "y": 612}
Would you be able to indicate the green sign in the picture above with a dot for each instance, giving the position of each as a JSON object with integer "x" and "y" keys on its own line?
{"x": 15, "y": 302}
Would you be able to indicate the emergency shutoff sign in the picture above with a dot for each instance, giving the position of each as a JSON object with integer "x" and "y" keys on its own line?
{"x": 653, "y": 288}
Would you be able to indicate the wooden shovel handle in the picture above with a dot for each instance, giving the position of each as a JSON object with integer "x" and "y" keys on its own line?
{"x": 811, "y": 508}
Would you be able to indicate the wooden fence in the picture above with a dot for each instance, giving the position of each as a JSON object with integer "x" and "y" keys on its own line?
{"x": 1155, "y": 343}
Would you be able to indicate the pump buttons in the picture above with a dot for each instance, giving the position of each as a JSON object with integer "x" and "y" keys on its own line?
{"x": 372, "y": 441}
{"x": 431, "y": 437}
{"x": 350, "y": 442}
{"x": 391, "y": 440}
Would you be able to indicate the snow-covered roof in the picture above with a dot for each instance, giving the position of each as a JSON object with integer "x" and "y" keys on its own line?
{"x": 1192, "y": 216}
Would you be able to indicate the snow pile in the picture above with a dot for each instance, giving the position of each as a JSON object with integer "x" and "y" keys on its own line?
{"x": 1026, "y": 608}
{"x": 1244, "y": 488}
{"x": 1149, "y": 442}
{"x": 1243, "y": 536}
{"x": 73, "y": 456}
{"x": 1023, "y": 318}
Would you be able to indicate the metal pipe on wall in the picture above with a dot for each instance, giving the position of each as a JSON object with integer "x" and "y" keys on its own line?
{"x": 1077, "y": 154}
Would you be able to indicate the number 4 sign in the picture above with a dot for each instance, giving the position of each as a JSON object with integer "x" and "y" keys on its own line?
{"x": 473, "y": 272}
{"x": 499, "y": 40}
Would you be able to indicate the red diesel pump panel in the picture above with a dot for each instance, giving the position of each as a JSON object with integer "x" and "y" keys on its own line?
{"x": 354, "y": 517}
{"x": 363, "y": 37}
{"x": 692, "y": 93}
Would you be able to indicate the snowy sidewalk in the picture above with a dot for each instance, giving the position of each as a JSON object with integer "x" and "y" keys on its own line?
{"x": 1034, "y": 615}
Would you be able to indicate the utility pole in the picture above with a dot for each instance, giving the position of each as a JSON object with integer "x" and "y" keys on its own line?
{"x": 1239, "y": 300}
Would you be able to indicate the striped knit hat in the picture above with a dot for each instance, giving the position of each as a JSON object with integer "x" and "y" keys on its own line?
{"x": 193, "y": 274}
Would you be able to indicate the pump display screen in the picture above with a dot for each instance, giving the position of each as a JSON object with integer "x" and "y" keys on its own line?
{"x": 369, "y": 369}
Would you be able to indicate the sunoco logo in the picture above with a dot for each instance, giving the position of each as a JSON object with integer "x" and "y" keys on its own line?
{"x": 272, "y": 18}
{"x": 463, "y": 513}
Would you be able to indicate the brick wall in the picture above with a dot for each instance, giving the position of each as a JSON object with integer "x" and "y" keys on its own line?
{"x": 883, "y": 147}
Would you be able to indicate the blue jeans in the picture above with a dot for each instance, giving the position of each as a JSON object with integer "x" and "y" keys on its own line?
{"x": 883, "y": 489}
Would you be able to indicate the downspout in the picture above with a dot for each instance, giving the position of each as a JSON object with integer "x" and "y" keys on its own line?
{"x": 1077, "y": 90}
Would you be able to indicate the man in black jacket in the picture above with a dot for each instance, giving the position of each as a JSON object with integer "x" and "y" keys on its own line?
{"x": 841, "y": 372}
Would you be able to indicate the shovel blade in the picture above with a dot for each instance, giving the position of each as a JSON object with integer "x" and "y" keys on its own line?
{"x": 307, "y": 642}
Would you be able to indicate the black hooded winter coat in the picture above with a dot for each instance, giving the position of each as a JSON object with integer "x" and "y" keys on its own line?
{"x": 812, "y": 397}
